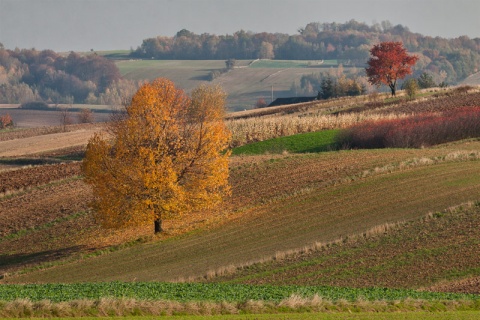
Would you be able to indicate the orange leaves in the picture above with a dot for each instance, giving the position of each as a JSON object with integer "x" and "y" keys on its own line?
{"x": 167, "y": 157}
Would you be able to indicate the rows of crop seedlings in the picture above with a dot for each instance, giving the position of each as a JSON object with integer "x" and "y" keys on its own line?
{"x": 209, "y": 292}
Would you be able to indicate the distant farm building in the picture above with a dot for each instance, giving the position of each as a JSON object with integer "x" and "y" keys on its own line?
{"x": 292, "y": 100}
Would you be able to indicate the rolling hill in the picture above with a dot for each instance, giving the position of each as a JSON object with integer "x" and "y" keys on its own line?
{"x": 379, "y": 217}
{"x": 249, "y": 81}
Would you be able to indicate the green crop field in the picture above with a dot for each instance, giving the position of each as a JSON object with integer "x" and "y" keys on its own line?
{"x": 300, "y": 143}
{"x": 465, "y": 315}
{"x": 108, "y": 299}
{"x": 210, "y": 292}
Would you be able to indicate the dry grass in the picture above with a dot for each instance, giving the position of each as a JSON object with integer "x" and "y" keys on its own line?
{"x": 259, "y": 129}
{"x": 125, "y": 307}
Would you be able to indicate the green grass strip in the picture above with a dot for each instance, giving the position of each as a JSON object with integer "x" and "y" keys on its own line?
{"x": 210, "y": 292}
{"x": 319, "y": 141}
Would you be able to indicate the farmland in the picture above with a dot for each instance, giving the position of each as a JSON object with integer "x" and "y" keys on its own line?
{"x": 298, "y": 219}
{"x": 245, "y": 84}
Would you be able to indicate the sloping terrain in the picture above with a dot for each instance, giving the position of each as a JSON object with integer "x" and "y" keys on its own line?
{"x": 440, "y": 247}
{"x": 284, "y": 208}
{"x": 244, "y": 85}
{"x": 46, "y": 143}
{"x": 279, "y": 204}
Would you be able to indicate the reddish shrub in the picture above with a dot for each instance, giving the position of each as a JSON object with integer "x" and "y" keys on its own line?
{"x": 6, "y": 121}
{"x": 419, "y": 131}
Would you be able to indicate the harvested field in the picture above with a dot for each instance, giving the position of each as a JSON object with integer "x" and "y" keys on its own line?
{"x": 468, "y": 285}
{"x": 416, "y": 254}
{"x": 444, "y": 102}
{"x": 38, "y": 118}
{"x": 46, "y": 143}
{"x": 274, "y": 220}
{"x": 35, "y": 176}
{"x": 33, "y": 132}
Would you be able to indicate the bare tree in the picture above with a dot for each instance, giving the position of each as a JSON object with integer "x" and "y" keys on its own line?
{"x": 86, "y": 116}
{"x": 65, "y": 117}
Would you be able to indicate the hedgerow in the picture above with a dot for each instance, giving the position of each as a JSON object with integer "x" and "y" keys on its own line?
{"x": 422, "y": 130}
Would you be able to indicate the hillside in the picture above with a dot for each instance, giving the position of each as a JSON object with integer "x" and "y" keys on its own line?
{"x": 249, "y": 81}
{"x": 277, "y": 195}
{"x": 472, "y": 80}
{"x": 433, "y": 250}
{"x": 284, "y": 208}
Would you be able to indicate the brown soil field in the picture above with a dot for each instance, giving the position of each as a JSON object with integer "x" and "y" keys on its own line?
{"x": 268, "y": 221}
{"x": 413, "y": 255}
{"x": 469, "y": 285}
{"x": 31, "y": 177}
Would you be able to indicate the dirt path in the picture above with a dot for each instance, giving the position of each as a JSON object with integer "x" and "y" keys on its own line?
{"x": 44, "y": 143}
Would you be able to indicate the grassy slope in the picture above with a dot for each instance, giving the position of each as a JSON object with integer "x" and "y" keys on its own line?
{"x": 244, "y": 85}
{"x": 301, "y": 143}
{"x": 290, "y": 196}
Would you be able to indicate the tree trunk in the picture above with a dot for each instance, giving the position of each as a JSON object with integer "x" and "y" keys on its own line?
{"x": 158, "y": 225}
{"x": 392, "y": 87}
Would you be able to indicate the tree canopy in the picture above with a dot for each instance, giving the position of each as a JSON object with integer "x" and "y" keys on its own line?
{"x": 166, "y": 157}
{"x": 448, "y": 60}
{"x": 389, "y": 62}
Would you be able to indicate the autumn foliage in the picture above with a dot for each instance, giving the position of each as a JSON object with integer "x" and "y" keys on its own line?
{"x": 422, "y": 130}
{"x": 389, "y": 62}
{"x": 6, "y": 121}
{"x": 166, "y": 157}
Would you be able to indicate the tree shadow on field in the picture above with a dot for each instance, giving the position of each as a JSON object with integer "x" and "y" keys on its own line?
{"x": 27, "y": 161}
{"x": 13, "y": 262}
{"x": 200, "y": 78}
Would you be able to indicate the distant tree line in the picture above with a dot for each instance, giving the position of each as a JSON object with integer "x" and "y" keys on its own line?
{"x": 447, "y": 59}
{"x": 29, "y": 75}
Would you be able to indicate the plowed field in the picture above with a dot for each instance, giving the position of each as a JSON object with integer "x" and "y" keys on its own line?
{"x": 334, "y": 202}
{"x": 411, "y": 256}
{"x": 30, "y": 177}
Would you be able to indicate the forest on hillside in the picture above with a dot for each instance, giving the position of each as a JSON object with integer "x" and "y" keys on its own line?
{"x": 32, "y": 75}
{"x": 448, "y": 60}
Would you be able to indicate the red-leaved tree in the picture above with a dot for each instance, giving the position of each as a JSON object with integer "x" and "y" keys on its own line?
{"x": 389, "y": 62}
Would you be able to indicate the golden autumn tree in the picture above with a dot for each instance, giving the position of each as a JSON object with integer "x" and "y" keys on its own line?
{"x": 165, "y": 157}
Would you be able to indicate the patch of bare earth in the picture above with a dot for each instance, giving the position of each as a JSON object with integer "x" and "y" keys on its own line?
{"x": 46, "y": 143}
{"x": 38, "y": 175}
{"x": 469, "y": 285}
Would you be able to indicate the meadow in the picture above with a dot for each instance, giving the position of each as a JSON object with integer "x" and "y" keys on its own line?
{"x": 309, "y": 227}
{"x": 249, "y": 81}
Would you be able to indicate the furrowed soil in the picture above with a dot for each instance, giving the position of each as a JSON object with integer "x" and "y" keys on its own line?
{"x": 416, "y": 254}
{"x": 279, "y": 203}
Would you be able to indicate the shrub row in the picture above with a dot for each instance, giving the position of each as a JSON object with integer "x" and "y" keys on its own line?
{"x": 423, "y": 130}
